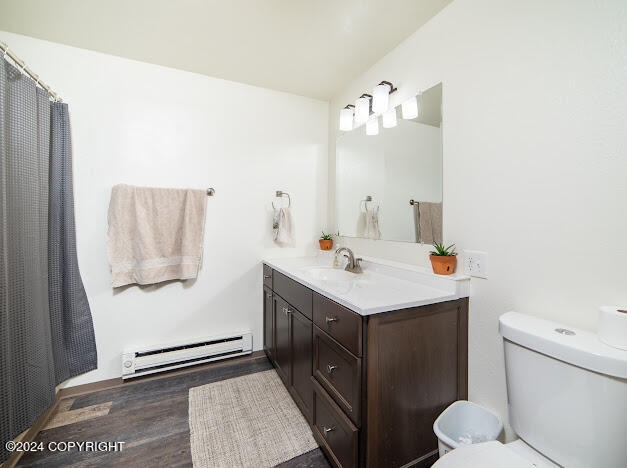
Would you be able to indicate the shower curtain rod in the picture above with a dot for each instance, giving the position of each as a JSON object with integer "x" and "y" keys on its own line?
{"x": 20, "y": 63}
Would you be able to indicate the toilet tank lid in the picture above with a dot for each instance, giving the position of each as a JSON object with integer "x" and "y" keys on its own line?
{"x": 583, "y": 348}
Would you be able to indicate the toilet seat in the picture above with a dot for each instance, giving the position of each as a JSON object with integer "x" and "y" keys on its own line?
{"x": 491, "y": 454}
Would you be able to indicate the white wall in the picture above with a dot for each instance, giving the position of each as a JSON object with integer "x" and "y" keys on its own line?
{"x": 143, "y": 124}
{"x": 535, "y": 159}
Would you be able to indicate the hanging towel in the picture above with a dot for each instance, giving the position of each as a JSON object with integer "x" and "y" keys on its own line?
{"x": 416, "y": 213}
{"x": 283, "y": 228}
{"x": 360, "y": 228}
{"x": 372, "y": 223}
{"x": 430, "y": 221}
{"x": 155, "y": 234}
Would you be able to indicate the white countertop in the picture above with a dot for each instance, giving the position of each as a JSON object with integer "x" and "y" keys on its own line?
{"x": 382, "y": 287}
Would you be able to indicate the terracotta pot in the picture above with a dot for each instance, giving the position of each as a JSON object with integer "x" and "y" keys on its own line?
{"x": 326, "y": 244}
{"x": 443, "y": 265}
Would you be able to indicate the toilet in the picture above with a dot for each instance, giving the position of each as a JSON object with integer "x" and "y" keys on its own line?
{"x": 567, "y": 400}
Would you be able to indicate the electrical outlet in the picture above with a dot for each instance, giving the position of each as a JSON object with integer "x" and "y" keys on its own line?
{"x": 476, "y": 263}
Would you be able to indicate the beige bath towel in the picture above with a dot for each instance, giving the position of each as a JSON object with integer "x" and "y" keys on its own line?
{"x": 155, "y": 234}
{"x": 430, "y": 220}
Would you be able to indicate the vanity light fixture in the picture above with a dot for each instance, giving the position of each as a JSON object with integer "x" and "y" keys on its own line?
{"x": 362, "y": 109}
{"x": 381, "y": 96}
{"x": 346, "y": 118}
{"x": 410, "y": 108}
{"x": 389, "y": 118}
{"x": 372, "y": 126}
{"x": 367, "y": 105}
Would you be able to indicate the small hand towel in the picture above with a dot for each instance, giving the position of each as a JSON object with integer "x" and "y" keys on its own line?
{"x": 155, "y": 234}
{"x": 430, "y": 222}
{"x": 283, "y": 228}
{"x": 360, "y": 228}
{"x": 372, "y": 223}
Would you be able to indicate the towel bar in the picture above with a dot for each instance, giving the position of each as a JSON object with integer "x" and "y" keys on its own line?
{"x": 280, "y": 193}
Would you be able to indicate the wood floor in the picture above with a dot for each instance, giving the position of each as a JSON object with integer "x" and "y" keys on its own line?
{"x": 150, "y": 417}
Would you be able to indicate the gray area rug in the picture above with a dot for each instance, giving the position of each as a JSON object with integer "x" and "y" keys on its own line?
{"x": 248, "y": 421}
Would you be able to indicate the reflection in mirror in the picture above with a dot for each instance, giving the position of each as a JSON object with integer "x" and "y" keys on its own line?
{"x": 378, "y": 176}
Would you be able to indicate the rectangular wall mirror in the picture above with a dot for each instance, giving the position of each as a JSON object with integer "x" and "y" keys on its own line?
{"x": 389, "y": 186}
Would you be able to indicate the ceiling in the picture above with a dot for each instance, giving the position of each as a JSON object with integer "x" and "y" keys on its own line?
{"x": 306, "y": 47}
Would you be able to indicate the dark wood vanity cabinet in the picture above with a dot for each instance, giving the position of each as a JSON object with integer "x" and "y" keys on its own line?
{"x": 370, "y": 386}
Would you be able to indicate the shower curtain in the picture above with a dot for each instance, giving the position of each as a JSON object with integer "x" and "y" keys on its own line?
{"x": 46, "y": 329}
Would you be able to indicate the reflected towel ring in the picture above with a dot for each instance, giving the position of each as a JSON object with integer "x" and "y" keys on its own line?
{"x": 280, "y": 193}
{"x": 365, "y": 202}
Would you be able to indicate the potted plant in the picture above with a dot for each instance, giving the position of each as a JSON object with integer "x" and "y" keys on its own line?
{"x": 443, "y": 259}
{"x": 326, "y": 241}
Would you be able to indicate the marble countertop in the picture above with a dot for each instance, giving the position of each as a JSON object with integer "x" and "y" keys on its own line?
{"x": 382, "y": 287}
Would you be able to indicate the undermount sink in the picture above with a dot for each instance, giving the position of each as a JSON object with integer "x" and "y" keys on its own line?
{"x": 329, "y": 274}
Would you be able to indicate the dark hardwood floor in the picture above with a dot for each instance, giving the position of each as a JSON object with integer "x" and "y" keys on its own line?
{"x": 149, "y": 416}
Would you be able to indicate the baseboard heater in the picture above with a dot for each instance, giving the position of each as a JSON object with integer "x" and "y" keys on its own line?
{"x": 159, "y": 358}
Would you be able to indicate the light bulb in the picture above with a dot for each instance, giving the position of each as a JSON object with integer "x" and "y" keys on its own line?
{"x": 372, "y": 126}
{"x": 410, "y": 108}
{"x": 389, "y": 118}
{"x": 380, "y": 98}
{"x": 346, "y": 119}
{"x": 362, "y": 110}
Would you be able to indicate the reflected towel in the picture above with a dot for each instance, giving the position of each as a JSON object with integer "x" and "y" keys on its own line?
{"x": 283, "y": 228}
{"x": 430, "y": 221}
{"x": 360, "y": 228}
{"x": 372, "y": 223}
{"x": 155, "y": 234}
{"x": 416, "y": 213}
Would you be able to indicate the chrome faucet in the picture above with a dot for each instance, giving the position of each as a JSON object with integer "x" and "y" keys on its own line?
{"x": 353, "y": 263}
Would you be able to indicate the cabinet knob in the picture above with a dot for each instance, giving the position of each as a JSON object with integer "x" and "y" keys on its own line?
{"x": 330, "y": 319}
{"x": 327, "y": 429}
{"x": 286, "y": 310}
{"x": 330, "y": 368}
{"x": 267, "y": 276}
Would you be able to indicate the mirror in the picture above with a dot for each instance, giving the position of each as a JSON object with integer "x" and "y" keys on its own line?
{"x": 377, "y": 176}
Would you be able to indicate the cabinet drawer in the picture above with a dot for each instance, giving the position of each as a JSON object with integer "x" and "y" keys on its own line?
{"x": 337, "y": 436}
{"x": 295, "y": 293}
{"x": 342, "y": 324}
{"x": 339, "y": 372}
{"x": 267, "y": 276}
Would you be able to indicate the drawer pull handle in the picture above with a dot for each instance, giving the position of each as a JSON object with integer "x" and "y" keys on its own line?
{"x": 330, "y": 368}
{"x": 327, "y": 429}
{"x": 330, "y": 319}
{"x": 267, "y": 276}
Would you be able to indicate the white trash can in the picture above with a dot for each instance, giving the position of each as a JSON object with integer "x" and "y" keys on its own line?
{"x": 465, "y": 422}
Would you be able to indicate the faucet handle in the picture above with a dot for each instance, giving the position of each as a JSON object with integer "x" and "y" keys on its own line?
{"x": 357, "y": 260}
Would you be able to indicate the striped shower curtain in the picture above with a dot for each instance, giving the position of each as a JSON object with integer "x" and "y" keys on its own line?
{"x": 46, "y": 330}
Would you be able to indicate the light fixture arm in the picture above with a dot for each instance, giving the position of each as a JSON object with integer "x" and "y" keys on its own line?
{"x": 392, "y": 88}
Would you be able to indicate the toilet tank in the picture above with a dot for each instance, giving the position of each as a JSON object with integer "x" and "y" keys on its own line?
{"x": 566, "y": 392}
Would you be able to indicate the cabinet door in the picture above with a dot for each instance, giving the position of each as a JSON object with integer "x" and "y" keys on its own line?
{"x": 301, "y": 331}
{"x": 268, "y": 323}
{"x": 282, "y": 339}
